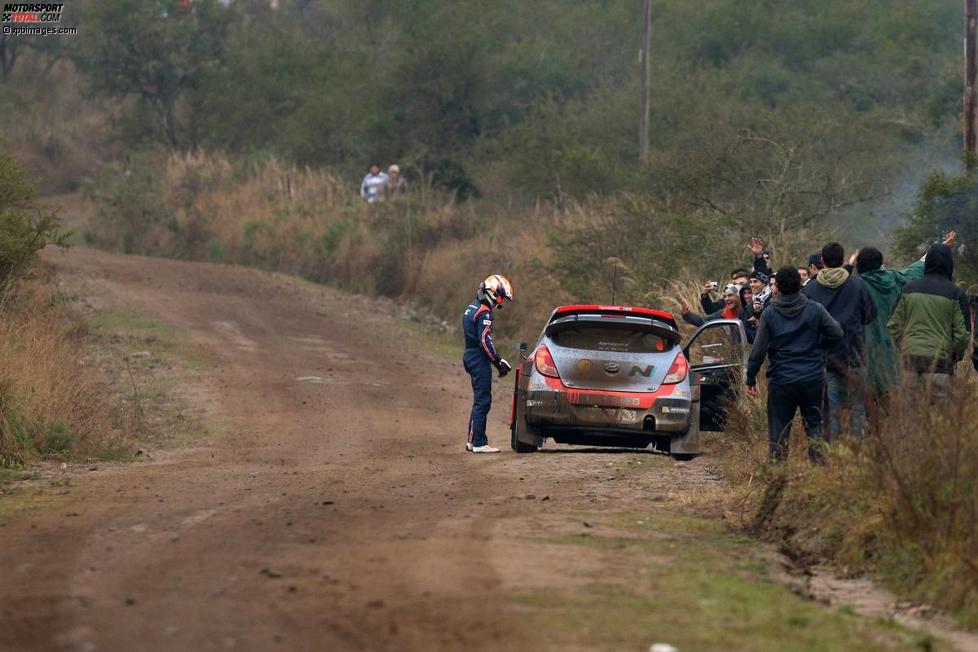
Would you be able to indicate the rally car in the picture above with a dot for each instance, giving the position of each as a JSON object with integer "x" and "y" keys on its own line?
{"x": 618, "y": 376}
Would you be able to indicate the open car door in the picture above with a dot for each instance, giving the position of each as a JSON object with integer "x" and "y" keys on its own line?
{"x": 717, "y": 353}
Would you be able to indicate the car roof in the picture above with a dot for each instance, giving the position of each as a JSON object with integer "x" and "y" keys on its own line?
{"x": 562, "y": 311}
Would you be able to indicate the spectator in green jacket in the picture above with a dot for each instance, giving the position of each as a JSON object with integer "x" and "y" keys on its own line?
{"x": 931, "y": 322}
{"x": 884, "y": 287}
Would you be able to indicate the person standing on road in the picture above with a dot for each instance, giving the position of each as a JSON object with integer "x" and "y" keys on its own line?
{"x": 373, "y": 184}
{"x": 930, "y": 324}
{"x": 846, "y": 299}
{"x": 480, "y": 356}
{"x": 793, "y": 333}
{"x": 885, "y": 287}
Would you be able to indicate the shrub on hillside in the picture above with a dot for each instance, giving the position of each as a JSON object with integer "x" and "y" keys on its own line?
{"x": 25, "y": 227}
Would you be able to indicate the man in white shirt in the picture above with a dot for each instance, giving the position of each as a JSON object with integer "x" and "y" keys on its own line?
{"x": 372, "y": 187}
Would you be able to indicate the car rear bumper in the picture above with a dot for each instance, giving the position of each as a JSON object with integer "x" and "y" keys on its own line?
{"x": 560, "y": 409}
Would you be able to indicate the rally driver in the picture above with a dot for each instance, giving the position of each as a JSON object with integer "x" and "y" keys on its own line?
{"x": 480, "y": 354}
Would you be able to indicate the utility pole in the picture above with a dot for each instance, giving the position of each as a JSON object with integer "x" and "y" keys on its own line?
{"x": 643, "y": 129}
{"x": 970, "y": 92}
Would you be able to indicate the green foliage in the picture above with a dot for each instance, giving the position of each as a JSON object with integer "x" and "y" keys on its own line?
{"x": 542, "y": 96}
{"x": 25, "y": 228}
{"x": 333, "y": 234}
{"x": 60, "y": 439}
{"x": 128, "y": 210}
{"x": 158, "y": 53}
{"x": 945, "y": 202}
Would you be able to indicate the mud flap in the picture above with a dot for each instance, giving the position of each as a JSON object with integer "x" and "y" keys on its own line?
{"x": 688, "y": 443}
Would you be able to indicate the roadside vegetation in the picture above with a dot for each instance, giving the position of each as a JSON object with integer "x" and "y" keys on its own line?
{"x": 50, "y": 404}
{"x": 76, "y": 382}
{"x": 899, "y": 504}
{"x": 516, "y": 126}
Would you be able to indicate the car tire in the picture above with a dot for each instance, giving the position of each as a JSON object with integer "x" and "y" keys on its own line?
{"x": 521, "y": 427}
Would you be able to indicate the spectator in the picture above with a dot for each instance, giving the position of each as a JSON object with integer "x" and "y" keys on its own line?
{"x": 930, "y": 322}
{"x": 792, "y": 334}
{"x": 748, "y": 315}
{"x": 846, "y": 299}
{"x": 803, "y": 273}
{"x": 974, "y": 349}
{"x": 762, "y": 258}
{"x": 884, "y": 287}
{"x": 372, "y": 186}
{"x": 396, "y": 185}
{"x": 814, "y": 265}
{"x": 738, "y": 277}
{"x": 730, "y": 310}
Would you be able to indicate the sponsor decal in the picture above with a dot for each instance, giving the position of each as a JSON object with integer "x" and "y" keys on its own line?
{"x": 584, "y": 365}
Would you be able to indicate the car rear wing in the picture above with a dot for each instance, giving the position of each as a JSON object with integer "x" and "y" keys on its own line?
{"x": 652, "y": 325}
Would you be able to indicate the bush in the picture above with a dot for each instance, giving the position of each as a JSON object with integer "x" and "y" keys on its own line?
{"x": 25, "y": 227}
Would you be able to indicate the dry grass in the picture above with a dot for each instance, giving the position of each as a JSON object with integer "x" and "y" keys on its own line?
{"x": 901, "y": 502}
{"x": 50, "y": 403}
{"x": 424, "y": 248}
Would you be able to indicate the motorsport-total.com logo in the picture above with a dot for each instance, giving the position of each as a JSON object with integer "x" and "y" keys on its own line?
{"x": 29, "y": 12}
{"x": 33, "y": 19}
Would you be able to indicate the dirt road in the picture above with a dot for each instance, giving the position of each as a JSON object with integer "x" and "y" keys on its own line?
{"x": 338, "y": 512}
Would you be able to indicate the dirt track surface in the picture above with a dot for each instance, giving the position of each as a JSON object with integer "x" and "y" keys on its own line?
{"x": 337, "y": 512}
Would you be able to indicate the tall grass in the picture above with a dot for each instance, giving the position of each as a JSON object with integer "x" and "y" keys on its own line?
{"x": 900, "y": 502}
{"x": 50, "y": 402}
{"x": 424, "y": 248}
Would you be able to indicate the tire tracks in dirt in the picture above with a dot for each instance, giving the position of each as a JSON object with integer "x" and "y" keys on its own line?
{"x": 338, "y": 513}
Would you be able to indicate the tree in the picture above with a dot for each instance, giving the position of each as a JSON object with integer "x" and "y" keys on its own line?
{"x": 159, "y": 53}
{"x": 25, "y": 228}
{"x": 944, "y": 202}
{"x": 9, "y": 51}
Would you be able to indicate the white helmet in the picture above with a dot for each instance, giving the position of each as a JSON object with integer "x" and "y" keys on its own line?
{"x": 495, "y": 289}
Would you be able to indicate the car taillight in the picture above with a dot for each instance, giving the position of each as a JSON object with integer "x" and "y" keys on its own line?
{"x": 545, "y": 362}
{"x": 677, "y": 372}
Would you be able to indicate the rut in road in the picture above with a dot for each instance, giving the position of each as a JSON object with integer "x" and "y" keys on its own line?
{"x": 338, "y": 512}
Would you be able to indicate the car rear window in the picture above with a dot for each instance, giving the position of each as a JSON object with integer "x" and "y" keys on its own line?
{"x": 616, "y": 339}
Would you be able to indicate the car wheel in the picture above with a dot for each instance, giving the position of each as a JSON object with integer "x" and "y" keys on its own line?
{"x": 521, "y": 427}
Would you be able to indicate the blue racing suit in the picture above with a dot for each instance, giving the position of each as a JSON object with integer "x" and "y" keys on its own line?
{"x": 479, "y": 358}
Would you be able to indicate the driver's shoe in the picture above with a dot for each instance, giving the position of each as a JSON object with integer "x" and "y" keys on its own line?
{"x": 484, "y": 449}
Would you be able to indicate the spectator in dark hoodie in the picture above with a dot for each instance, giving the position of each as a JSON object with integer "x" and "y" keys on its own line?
{"x": 846, "y": 299}
{"x": 931, "y": 322}
{"x": 793, "y": 333}
{"x": 884, "y": 287}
